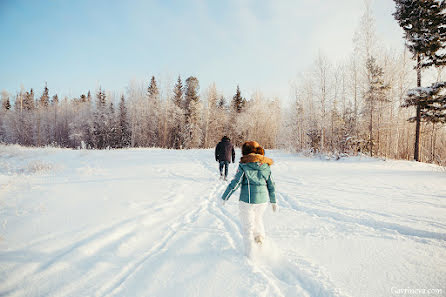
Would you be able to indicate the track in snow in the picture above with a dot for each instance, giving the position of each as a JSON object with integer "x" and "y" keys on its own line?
{"x": 149, "y": 223}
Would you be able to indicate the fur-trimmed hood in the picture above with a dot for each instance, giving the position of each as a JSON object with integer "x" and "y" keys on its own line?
{"x": 256, "y": 158}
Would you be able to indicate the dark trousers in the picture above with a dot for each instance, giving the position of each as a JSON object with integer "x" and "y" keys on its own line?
{"x": 225, "y": 164}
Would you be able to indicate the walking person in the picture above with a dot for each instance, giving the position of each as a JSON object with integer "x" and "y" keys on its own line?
{"x": 254, "y": 176}
{"x": 224, "y": 153}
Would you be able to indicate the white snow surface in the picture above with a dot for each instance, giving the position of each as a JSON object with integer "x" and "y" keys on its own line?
{"x": 148, "y": 222}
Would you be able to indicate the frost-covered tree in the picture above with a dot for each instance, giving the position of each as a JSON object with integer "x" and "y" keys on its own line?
{"x": 26, "y": 117}
{"x": 322, "y": 89}
{"x": 193, "y": 107}
{"x": 237, "y": 107}
{"x": 123, "y": 128}
{"x": 43, "y": 129}
{"x": 5, "y": 106}
{"x": 28, "y": 100}
{"x": 45, "y": 97}
{"x": 260, "y": 120}
{"x": 424, "y": 25}
{"x": 177, "y": 123}
{"x": 432, "y": 101}
{"x": 376, "y": 93}
{"x": 55, "y": 139}
{"x": 112, "y": 127}
{"x": 153, "y": 115}
{"x": 100, "y": 121}
{"x": 81, "y": 122}
{"x": 212, "y": 118}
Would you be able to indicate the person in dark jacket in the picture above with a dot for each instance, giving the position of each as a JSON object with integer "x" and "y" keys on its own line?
{"x": 224, "y": 153}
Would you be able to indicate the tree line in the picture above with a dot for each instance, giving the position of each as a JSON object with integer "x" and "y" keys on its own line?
{"x": 366, "y": 103}
{"x": 144, "y": 117}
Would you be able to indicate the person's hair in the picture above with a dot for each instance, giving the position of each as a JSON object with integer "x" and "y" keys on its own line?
{"x": 260, "y": 151}
{"x": 252, "y": 147}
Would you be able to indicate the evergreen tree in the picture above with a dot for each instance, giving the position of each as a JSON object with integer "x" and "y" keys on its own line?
{"x": 424, "y": 25}
{"x": 222, "y": 103}
{"x": 55, "y": 100}
{"x": 153, "y": 91}
{"x": 6, "y": 104}
{"x": 89, "y": 96}
{"x": 4, "y": 109}
{"x": 153, "y": 120}
{"x": 193, "y": 113}
{"x": 101, "y": 100}
{"x": 177, "y": 117}
{"x": 376, "y": 93}
{"x": 238, "y": 102}
{"x": 28, "y": 101}
{"x": 100, "y": 121}
{"x": 432, "y": 101}
{"x": 111, "y": 127}
{"x": 55, "y": 127}
{"x": 45, "y": 98}
{"x": 123, "y": 129}
{"x": 178, "y": 93}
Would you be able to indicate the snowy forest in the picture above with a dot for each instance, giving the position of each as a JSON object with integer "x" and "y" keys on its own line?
{"x": 378, "y": 101}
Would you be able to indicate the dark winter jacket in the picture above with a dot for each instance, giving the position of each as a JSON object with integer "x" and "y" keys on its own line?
{"x": 224, "y": 151}
{"x": 254, "y": 175}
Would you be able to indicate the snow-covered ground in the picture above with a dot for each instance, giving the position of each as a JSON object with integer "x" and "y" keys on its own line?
{"x": 147, "y": 222}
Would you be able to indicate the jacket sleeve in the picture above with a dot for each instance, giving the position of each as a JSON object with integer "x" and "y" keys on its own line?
{"x": 233, "y": 154}
{"x": 271, "y": 189}
{"x": 216, "y": 152}
{"x": 234, "y": 184}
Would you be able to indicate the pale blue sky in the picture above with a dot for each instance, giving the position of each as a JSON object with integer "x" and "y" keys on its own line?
{"x": 77, "y": 45}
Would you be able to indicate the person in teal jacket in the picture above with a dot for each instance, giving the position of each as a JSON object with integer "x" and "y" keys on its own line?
{"x": 257, "y": 189}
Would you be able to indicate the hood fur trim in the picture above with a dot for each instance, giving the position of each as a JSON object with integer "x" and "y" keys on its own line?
{"x": 254, "y": 158}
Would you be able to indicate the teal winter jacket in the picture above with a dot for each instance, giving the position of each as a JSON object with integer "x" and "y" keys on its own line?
{"x": 255, "y": 180}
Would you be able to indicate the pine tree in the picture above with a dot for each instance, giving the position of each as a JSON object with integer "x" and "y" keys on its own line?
{"x": 376, "y": 93}
{"x": 153, "y": 120}
{"x": 153, "y": 91}
{"x": 177, "y": 117}
{"x": 4, "y": 110}
{"x": 101, "y": 100}
{"x": 432, "y": 101}
{"x": 111, "y": 127}
{"x": 55, "y": 100}
{"x": 45, "y": 98}
{"x": 89, "y": 96}
{"x": 424, "y": 25}
{"x": 123, "y": 129}
{"x": 178, "y": 93}
{"x": 6, "y": 104}
{"x": 100, "y": 121}
{"x": 222, "y": 103}
{"x": 28, "y": 101}
{"x": 238, "y": 102}
{"x": 54, "y": 105}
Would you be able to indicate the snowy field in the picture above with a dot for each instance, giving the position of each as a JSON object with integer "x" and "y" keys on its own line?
{"x": 147, "y": 222}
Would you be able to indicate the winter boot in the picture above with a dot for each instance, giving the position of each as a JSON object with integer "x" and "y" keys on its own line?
{"x": 258, "y": 239}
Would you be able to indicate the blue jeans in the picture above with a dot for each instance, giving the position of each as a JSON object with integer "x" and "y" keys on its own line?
{"x": 225, "y": 164}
